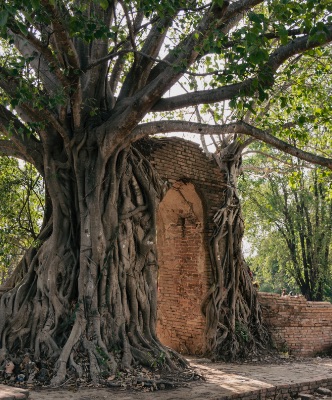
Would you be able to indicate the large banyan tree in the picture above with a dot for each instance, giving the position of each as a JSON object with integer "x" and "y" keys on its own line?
{"x": 81, "y": 82}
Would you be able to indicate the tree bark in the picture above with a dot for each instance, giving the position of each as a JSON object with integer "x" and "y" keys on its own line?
{"x": 90, "y": 286}
{"x": 234, "y": 327}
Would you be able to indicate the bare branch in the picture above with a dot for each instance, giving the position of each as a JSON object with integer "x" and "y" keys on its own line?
{"x": 129, "y": 24}
{"x": 43, "y": 58}
{"x": 140, "y": 71}
{"x": 123, "y": 52}
{"x": 215, "y": 18}
{"x": 139, "y": 104}
{"x": 117, "y": 69}
{"x": 273, "y": 157}
{"x": 279, "y": 144}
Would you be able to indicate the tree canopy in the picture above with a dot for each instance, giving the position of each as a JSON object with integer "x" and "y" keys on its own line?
{"x": 21, "y": 211}
{"x": 57, "y": 55}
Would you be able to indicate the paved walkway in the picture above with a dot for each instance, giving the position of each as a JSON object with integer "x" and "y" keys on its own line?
{"x": 223, "y": 381}
{"x": 10, "y": 393}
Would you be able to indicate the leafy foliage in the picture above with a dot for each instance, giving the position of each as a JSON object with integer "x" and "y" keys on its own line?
{"x": 21, "y": 211}
{"x": 289, "y": 227}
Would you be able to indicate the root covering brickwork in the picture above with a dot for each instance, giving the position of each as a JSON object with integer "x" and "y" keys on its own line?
{"x": 195, "y": 186}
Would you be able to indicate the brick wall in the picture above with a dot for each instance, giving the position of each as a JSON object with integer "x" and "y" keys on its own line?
{"x": 182, "y": 280}
{"x": 304, "y": 328}
{"x": 183, "y": 230}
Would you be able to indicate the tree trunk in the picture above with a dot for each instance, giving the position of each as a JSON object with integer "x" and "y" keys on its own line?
{"x": 89, "y": 289}
{"x": 90, "y": 286}
{"x": 234, "y": 319}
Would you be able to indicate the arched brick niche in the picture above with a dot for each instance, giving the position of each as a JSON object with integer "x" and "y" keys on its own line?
{"x": 183, "y": 237}
{"x": 182, "y": 276}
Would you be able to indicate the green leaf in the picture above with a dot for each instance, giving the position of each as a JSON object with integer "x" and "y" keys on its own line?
{"x": 218, "y": 3}
{"x": 3, "y": 17}
{"x": 283, "y": 102}
{"x": 283, "y": 34}
{"x": 22, "y": 28}
{"x": 258, "y": 56}
{"x": 104, "y": 4}
{"x": 35, "y": 4}
{"x": 302, "y": 119}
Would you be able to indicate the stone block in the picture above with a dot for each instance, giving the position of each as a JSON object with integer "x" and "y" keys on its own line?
{"x": 306, "y": 396}
{"x": 324, "y": 391}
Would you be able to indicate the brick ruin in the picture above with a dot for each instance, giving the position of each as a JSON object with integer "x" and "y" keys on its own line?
{"x": 184, "y": 225}
{"x": 300, "y": 327}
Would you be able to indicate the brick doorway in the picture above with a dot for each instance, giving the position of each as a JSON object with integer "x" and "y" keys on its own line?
{"x": 182, "y": 277}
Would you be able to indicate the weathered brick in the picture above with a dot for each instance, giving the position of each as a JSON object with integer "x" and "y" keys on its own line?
{"x": 305, "y": 327}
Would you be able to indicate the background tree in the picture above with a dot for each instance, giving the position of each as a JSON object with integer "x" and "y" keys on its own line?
{"x": 81, "y": 82}
{"x": 21, "y": 211}
{"x": 294, "y": 211}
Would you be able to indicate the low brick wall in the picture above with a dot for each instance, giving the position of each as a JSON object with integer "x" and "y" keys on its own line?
{"x": 304, "y": 328}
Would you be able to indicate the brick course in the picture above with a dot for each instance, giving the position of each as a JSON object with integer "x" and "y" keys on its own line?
{"x": 302, "y": 327}
{"x": 183, "y": 230}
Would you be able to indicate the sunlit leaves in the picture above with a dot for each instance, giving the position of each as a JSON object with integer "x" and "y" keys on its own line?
{"x": 104, "y": 4}
{"x": 166, "y": 7}
{"x": 21, "y": 209}
{"x": 318, "y": 33}
{"x": 288, "y": 221}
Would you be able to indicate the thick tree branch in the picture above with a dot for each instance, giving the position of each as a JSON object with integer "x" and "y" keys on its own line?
{"x": 215, "y": 19}
{"x": 240, "y": 127}
{"x": 181, "y": 57}
{"x": 125, "y": 45}
{"x": 146, "y": 58}
{"x": 66, "y": 51}
{"x": 129, "y": 24}
{"x": 43, "y": 60}
{"x": 279, "y": 144}
{"x": 22, "y": 144}
{"x": 265, "y": 77}
{"x": 66, "y": 55}
{"x": 129, "y": 111}
{"x": 27, "y": 111}
{"x": 273, "y": 157}
{"x": 94, "y": 83}
{"x": 8, "y": 148}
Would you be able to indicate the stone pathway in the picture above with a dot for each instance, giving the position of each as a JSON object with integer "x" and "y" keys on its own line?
{"x": 10, "y": 393}
{"x": 249, "y": 381}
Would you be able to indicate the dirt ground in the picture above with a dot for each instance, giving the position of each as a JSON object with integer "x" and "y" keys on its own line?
{"x": 221, "y": 380}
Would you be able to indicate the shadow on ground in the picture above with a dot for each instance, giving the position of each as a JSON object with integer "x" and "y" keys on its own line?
{"x": 277, "y": 380}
